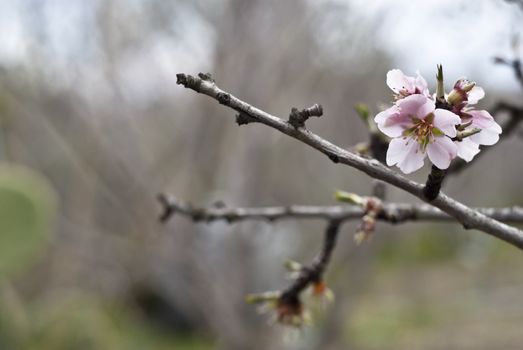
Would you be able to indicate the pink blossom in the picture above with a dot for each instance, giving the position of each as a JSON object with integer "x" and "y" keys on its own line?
{"x": 465, "y": 92}
{"x": 474, "y": 95}
{"x": 404, "y": 86}
{"x": 418, "y": 129}
{"x": 489, "y": 134}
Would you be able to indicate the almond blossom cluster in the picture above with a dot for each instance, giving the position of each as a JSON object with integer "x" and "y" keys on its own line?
{"x": 442, "y": 127}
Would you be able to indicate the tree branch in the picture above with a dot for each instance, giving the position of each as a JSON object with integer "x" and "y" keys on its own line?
{"x": 393, "y": 213}
{"x": 469, "y": 218}
{"x": 288, "y": 303}
{"x": 314, "y": 272}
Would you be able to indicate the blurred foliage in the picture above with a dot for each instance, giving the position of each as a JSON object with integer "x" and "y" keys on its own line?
{"x": 376, "y": 326}
{"x": 82, "y": 322}
{"x": 424, "y": 246}
{"x": 27, "y": 206}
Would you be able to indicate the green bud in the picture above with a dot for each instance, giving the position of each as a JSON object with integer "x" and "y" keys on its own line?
{"x": 360, "y": 237}
{"x": 466, "y": 133}
{"x": 440, "y": 88}
{"x": 347, "y": 197}
{"x": 292, "y": 266}
{"x": 363, "y": 111}
{"x": 262, "y": 297}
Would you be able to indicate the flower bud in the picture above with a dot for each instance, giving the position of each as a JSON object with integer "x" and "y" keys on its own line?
{"x": 460, "y": 92}
{"x": 292, "y": 266}
{"x": 352, "y": 198}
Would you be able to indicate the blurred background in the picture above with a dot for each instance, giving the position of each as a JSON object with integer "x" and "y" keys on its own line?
{"x": 93, "y": 126}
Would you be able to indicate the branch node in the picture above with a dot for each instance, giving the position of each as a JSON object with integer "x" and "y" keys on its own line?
{"x": 206, "y": 77}
{"x": 298, "y": 118}
{"x": 244, "y": 119}
{"x": 188, "y": 81}
{"x": 167, "y": 209}
{"x": 373, "y": 207}
{"x": 333, "y": 157}
{"x": 223, "y": 97}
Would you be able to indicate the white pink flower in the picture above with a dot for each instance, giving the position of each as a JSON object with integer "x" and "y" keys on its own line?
{"x": 402, "y": 85}
{"x": 489, "y": 134}
{"x": 464, "y": 94}
{"x": 418, "y": 129}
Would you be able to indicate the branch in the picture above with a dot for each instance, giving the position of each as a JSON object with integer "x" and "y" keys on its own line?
{"x": 393, "y": 213}
{"x": 298, "y": 118}
{"x": 314, "y": 273}
{"x": 288, "y": 304}
{"x": 469, "y": 218}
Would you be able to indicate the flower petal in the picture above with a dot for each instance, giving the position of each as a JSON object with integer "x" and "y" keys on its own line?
{"x": 485, "y": 137}
{"x": 475, "y": 94}
{"x": 421, "y": 84}
{"x": 490, "y": 130}
{"x": 397, "y": 81}
{"x": 416, "y": 105}
{"x": 391, "y": 122}
{"x": 483, "y": 120}
{"x": 446, "y": 121}
{"x": 412, "y": 156}
{"x": 442, "y": 151}
{"x": 397, "y": 151}
{"x": 467, "y": 149}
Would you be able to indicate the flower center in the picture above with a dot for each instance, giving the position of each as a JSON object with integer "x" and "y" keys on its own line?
{"x": 423, "y": 130}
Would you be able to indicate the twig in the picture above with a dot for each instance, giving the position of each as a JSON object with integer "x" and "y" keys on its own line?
{"x": 298, "y": 118}
{"x": 434, "y": 183}
{"x": 314, "y": 272}
{"x": 468, "y": 217}
{"x": 393, "y": 213}
{"x": 288, "y": 303}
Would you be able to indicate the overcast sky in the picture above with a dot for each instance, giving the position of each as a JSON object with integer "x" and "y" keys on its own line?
{"x": 462, "y": 35}
{"x": 421, "y": 34}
